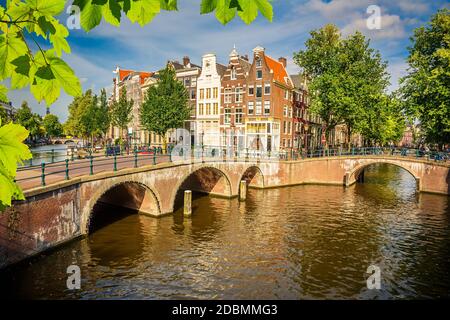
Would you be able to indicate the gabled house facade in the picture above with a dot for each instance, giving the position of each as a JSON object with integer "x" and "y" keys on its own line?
{"x": 233, "y": 102}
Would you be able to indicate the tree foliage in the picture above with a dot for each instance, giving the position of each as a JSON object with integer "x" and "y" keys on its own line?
{"x": 52, "y": 126}
{"x": 12, "y": 153}
{"x": 348, "y": 78}
{"x": 74, "y": 125}
{"x": 166, "y": 104}
{"x": 426, "y": 88}
{"x": 30, "y": 121}
{"x": 122, "y": 111}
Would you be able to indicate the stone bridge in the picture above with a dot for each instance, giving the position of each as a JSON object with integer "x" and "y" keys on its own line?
{"x": 57, "y": 213}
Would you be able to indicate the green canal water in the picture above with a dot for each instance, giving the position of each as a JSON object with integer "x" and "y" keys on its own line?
{"x": 303, "y": 242}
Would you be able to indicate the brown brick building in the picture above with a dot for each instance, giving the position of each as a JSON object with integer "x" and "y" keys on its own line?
{"x": 233, "y": 102}
{"x": 269, "y": 117}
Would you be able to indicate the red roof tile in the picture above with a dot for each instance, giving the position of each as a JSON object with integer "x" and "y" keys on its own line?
{"x": 143, "y": 75}
{"x": 279, "y": 71}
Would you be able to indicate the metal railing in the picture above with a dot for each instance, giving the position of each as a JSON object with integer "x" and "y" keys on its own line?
{"x": 119, "y": 158}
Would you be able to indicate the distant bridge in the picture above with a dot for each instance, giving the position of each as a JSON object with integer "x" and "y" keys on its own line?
{"x": 61, "y": 209}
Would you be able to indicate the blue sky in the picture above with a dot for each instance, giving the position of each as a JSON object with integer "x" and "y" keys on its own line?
{"x": 172, "y": 35}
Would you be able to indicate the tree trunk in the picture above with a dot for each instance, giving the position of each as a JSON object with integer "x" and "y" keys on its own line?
{"x": 349, "y": 133}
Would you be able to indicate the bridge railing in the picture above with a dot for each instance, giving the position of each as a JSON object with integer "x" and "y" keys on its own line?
{"x": 117, "y": 159}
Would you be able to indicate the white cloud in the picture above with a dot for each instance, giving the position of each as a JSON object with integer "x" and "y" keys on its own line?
{"x": 392, "y": 27}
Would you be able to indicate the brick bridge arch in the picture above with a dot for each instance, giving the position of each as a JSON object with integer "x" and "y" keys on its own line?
{"x": 410, "y": 167}
{"x": 149, "y": 202}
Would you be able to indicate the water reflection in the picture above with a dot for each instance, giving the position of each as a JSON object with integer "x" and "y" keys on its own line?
{"x": 289, "y": 243}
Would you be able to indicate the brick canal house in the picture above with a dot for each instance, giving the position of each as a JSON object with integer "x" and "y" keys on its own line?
{"x": 233, "y": 108}
{"x": 208, "y": 102}
{"x": 269, "y": 118}
{"x": 136, "y": 83}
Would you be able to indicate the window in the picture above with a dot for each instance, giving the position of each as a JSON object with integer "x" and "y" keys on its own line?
{"x": 258, "y": 107}
{"x": 187, "y": 82}
{"x": 258, "y": 91}
{"x": 267, "y": 89}
{"x": 258, "y": 74}
{"x": 200, "y": 109}
{"x": 208, "y": 109}
{"x": 251, "y": 90}
{"x": 227, "y": 116}
{"x": 239, "y": 95}
{"x": 286, "y": 95}
{"x": 266, "y": 107}
{"x": 202, "y": 93}
{"x": 228, "y": 95}
{"x": 290, "y": 112}
{"x": 258, "y": 62}
{"x": 215, "y": 93}
{"x": 289, "y": 143}
{"x": 289, "y": 127}
{"x": 239, "y": 116}
{"x": 284, "y": 127}
{"x": 192, "y": 94}
{"x": 284, "y": 143}
{"x": 216, "y": 108}
{"x": 285, "y": 111}
{"x": 233, "y": 73}
{"x": 268, "y": 128}
{"x": 193, "y": 81}
{"x": 251, "y": 107}
{"x": 208, "y": 93}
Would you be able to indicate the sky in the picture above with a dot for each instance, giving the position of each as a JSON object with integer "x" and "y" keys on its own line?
{"x": 172, "y": 35}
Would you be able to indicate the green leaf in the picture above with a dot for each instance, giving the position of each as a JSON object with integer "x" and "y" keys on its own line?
{"x": 11, "y": 47}
{"x": 12, "y": 152}
{"x": 58, "y": 38}
{"x": 208, "y": 6}
{"x": 91, "y": 15}
{"x": 49, "y": 75}
{"x": 112, "y": 12}
{"x": 266, "y": 9}
{"x": 223, "y": 11}
{"x": 143, "y": 11}
{"x": 47, "y": 7}
{"x": 249, "y": 10}
{"x": 170, "y": 5}
{"x": 3, "y": 93}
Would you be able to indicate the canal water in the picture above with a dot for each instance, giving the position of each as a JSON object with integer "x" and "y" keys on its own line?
{"x": 303, "y": 242}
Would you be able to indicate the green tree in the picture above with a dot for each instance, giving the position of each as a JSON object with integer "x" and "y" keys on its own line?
{"x": 426, "y": 88}
{"x": 348, "y": 78}
{"x": 4, "y": 118}
{"x": 30, "y": 121}
{"x": 166, "y": 105}
{"x": 103, "y": 115}
{"x": 74, "y": 125}
{"x": 121, "y": 112}
{"x": 52, "y": 126}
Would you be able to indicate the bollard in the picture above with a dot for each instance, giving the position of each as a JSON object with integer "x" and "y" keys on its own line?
{"x": 67, "y": 169}
{"x": 115, "y": 162}
{"x": 187, "y": 210}
{"x": 135, "y": 157}
{"x": 242, "y": 190}
{"x": 43, "y": 173}
{"x": 91, "y": 165}
{"x": 53, "y": 155}
{"x": 154, "y": 158}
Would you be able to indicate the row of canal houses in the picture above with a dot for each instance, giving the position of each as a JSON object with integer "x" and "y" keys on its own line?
{"x": 248, "y": 103}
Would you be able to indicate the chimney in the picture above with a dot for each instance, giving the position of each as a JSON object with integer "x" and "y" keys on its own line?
{"x": 186, "y": 61}
{"x": 245, "y": 57}
{"x": 283, "y": 60}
